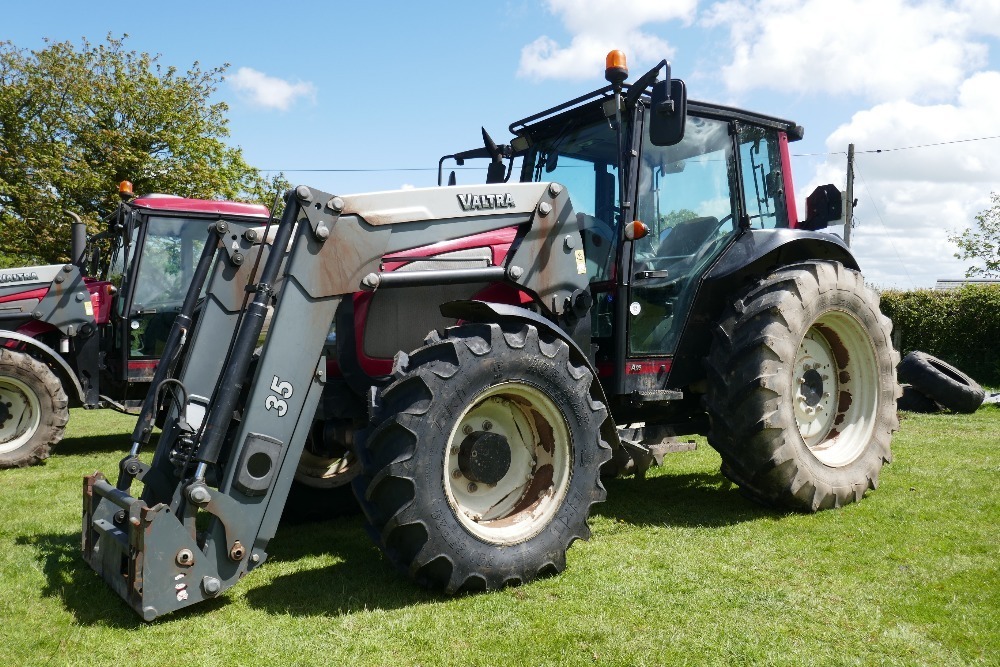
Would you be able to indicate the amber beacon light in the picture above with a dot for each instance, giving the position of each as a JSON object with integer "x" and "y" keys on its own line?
{"x": 615, "y": 69}
{"x": 125, "y": 190}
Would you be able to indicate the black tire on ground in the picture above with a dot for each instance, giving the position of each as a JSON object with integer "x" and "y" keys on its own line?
{"x": 34, "y": 410}
{"x": 802, "y": 388}
{"x": 941, "y": 381}
{"x": 483, "y": 459}
{"x": 912, "y": 400}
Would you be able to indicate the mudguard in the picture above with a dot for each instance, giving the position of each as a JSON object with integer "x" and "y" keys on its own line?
{"x": 51, "y": 357}
{"x": 755, "y": 253}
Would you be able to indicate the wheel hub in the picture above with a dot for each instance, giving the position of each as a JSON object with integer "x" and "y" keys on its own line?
{"x": 812, "y": 387}
{"x": 484, "y": 457}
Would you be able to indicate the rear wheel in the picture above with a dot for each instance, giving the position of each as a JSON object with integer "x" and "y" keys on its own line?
{"x": 34, "y": 410}
{"x": 802, "y": 388}
{"x": 484, "y": 458}
{"x": 321, "y": 488}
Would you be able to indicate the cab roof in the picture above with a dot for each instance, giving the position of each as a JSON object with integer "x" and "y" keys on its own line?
{"x": 169, "y": 203}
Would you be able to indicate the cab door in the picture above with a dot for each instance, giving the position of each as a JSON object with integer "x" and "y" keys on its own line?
{"x": 688, "y": 196}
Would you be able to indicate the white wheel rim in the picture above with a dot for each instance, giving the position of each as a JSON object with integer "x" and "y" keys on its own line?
{"x": 836, "y": 384}
{"x": 22, "y": 414}
{"x": 521, "y": 503}
{"x": 326, "y": 472}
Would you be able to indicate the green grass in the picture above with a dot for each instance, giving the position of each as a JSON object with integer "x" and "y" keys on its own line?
{"x": 680, "y": 570}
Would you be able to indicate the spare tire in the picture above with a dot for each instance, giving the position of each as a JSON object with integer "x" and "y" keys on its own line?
{"x": 913, "y": 400}
{"x": 941, "y": 382}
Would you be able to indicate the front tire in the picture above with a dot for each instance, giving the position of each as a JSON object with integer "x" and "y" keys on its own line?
{"x": 802, "y": 388}
{"x": 34, "y": 410}
{"x": 484, "y": 458}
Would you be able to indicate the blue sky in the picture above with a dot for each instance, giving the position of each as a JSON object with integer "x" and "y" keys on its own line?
{"x": 395, "y": 85}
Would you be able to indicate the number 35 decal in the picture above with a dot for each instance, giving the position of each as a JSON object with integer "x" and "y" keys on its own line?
{"x": 283, "y": 389}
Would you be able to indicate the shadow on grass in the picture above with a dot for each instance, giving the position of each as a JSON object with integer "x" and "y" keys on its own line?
{"x": 96, "y": 444}
{"x": 681, "y": 499}
{"x": 359, "y": 578}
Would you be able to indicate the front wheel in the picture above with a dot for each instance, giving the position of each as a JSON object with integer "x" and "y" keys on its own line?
{"x": 33, "y": 410}
{"x": 484, "y": 458}
{"x": 802, "y": 388}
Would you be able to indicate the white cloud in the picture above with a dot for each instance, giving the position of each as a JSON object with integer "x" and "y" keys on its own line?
{"x": 268, "y": 91}
{"x": 882, "y": 49}
{"x": 912, "y": 200}
{"x": 598, "y": 26}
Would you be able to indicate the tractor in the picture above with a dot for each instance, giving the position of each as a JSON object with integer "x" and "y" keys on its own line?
{"x": 482, "y": 355}
{"x": 89, "y": 333}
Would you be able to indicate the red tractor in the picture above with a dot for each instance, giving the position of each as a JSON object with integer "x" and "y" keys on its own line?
{"x": 90, "y": 333}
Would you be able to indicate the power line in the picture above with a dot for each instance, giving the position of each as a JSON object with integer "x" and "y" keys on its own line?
{"x": 901, "y": 148}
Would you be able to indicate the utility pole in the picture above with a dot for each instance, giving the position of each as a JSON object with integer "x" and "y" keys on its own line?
{"x": 849, "y": 198}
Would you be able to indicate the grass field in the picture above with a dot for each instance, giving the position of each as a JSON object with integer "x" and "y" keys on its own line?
{"x": 680, "y": 570}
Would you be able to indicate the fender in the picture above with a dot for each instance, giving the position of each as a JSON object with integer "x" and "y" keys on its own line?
{"x": 50, "y": 356}
{"x": 486, "y": 312}
{"x": 754, "y": 254}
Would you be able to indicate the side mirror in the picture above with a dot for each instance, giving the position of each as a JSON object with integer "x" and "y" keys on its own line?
{"x": 668, "y": 112}
{"x": 823, "y": 206}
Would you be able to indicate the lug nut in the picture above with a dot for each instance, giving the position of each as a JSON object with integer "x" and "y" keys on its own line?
{"x": 467, "y": 429}
{"x": 487, "y": 425}
{"x": 472, "y": 487}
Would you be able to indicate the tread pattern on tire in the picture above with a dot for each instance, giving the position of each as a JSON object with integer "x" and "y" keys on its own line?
{"x": 411, "y": 521}
{"x": 749, "y": 398}
{"x": 941, "y": 382}
{"x": 53, "y": 402}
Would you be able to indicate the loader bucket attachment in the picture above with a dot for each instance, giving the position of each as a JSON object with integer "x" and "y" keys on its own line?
{"x": 144, "y": 553}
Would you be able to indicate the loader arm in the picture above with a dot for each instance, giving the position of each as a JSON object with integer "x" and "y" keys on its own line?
{"x": 229, "y": 454}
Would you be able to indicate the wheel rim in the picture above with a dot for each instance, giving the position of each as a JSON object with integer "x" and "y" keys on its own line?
{"x": 20, "y": 414}
{"x": 327, "y": 467}
{"x": 836, "y": 381}
{"x": 507, "y": 467}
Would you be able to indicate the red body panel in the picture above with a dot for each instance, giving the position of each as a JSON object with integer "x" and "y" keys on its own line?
{"x": 786, "y": 177}
{"x": 200, "y": 206}
{"x": 499, "y": 242}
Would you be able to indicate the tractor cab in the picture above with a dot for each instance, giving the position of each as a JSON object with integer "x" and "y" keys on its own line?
{"x": 152, "y": 247}
{"x": 693, "y": 180}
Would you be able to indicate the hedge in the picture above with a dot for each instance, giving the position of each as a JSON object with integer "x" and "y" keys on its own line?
{"x": 960, "y": 326}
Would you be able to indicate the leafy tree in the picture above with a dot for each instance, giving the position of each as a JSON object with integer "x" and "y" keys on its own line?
{"x": 75, "y": 121}
{"x": 983, "y": 245}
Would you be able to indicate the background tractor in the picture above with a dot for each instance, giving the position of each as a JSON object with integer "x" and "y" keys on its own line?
{"x": 633, "y": 268}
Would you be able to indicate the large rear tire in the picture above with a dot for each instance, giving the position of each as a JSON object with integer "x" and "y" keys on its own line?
{"x": 34, "y": 410}
{"x": 484, "y": 458}
{"x": 802, "y": 388}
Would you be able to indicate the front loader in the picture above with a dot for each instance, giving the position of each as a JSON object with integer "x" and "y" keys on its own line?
{"x": 633, "y": 268}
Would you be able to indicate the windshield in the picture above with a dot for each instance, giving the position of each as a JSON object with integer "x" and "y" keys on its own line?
{"x": 170, "y": 252}
{"x": 582, "y": 158}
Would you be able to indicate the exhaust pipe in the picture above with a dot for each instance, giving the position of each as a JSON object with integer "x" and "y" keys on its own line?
{"x": 78, "y": 242}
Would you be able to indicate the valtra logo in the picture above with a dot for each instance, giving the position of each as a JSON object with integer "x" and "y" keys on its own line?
{"x": 17, "y": 277}
{"x": 477, "y": 202}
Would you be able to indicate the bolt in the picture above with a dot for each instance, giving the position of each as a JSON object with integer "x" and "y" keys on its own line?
{"x": 255, "y": 558}
{"x": 456, "y": 473}
{"x": 237, "y": 552}
{"x": 487, "y": 425}
{"x": 515, "y": 272}
{"x": 303, "y": 192}
{"x": 802, "y": 380}
{"x": 322, "y": 232}
{"x": 222, "y": 226}
{"x": 555, "y": 189}
{"x": 569, "y": 242}
{"x": 211, "y": 586}
{"x": 467, "y": 429}
{"x": 371, "y": 280}
{"x": 544, "y": 209}
{"x": 185, "y": 557}
{"x": 454, "y": 451}
{"x": 250, "y": 235}
{"x": 199, "y": 495}
{"x": 336, "y": 204}
{"x": 237, "y": 258}
{"x": 472, "y": 487}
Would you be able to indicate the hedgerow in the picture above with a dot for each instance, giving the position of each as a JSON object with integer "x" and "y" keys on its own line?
{"x": 960, "y": 326}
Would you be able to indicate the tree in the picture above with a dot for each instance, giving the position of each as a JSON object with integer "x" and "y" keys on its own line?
{"x": 983, "y": 245}
{"x": 75, "y": 121}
